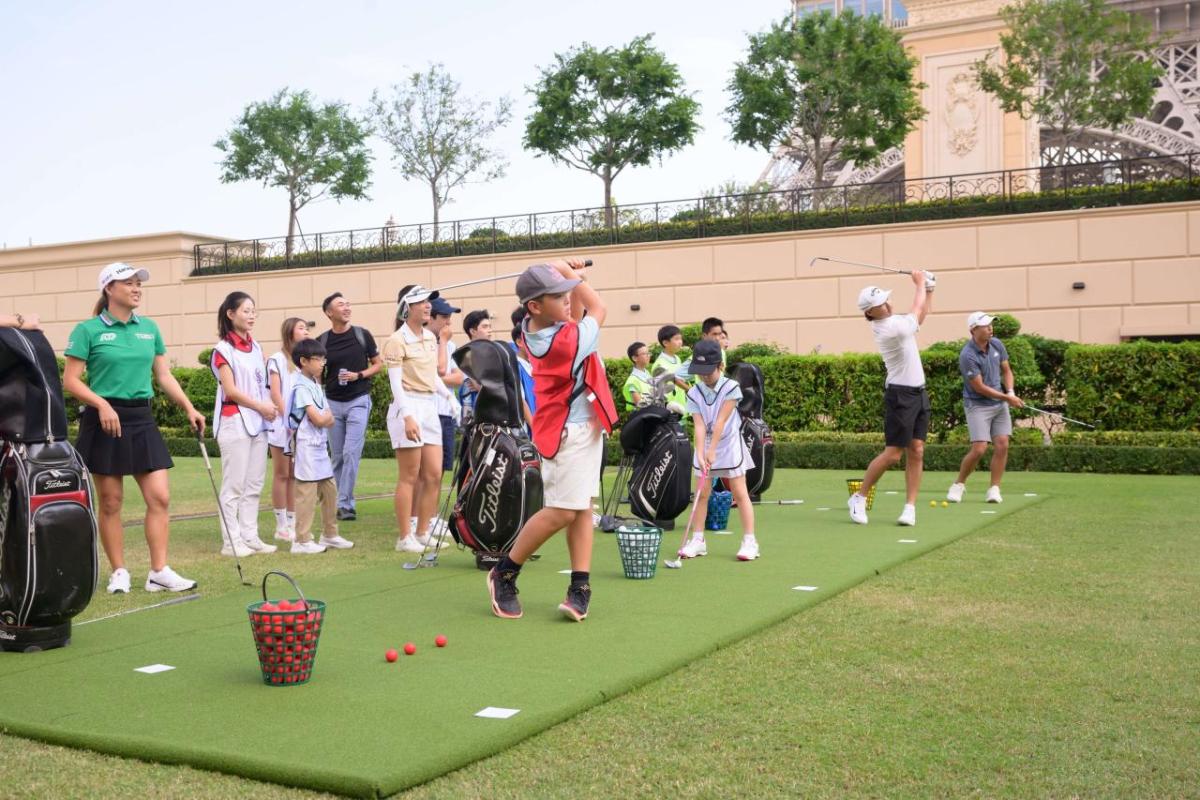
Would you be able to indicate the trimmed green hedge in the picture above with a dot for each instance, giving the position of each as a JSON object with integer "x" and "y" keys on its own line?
{"x": 1137, "y": 386}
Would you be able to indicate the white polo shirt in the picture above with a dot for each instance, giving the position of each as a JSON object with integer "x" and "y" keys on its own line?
{"x": 896, "y": 338}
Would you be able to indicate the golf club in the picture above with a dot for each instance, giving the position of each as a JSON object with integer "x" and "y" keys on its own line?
{"x": 859, "y": 264}
{"x": 1060, "y": 416}
{"x": 428, "y": 557}
{"x": 173, "y": 601}
{"x": 586, "y": 263}
{"x": 220, "y": 510}
{"x": 677, "y": 563}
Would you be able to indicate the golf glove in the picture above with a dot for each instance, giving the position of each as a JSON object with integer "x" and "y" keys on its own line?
{"x": 930, "y": 281}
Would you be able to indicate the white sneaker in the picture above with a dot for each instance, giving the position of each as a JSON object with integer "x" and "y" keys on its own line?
{"x": 167, "y": 580}
{"x": 693, "y": 549}
{"x": 749, "y": 549}
{"x": 118, "y": 582}
{"x": 286, "y": 535}
{"x": 993, "y": 495}
{"x": 239, "y": 549}
{"x": 336, "y": 542}
{"x": 956, "y": 492}
{"x": 430, "y": 540}
{"x": 908, "y": 516}
{"x": 259, "y": 546}
{"x": 307, "y": 548}
{"x": 408, "y": 544}
{"x": 858, "y": 508}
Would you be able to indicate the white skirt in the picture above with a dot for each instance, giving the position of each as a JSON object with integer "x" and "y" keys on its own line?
{"x": 733, "y": 472}
{"x": 424, "y": 408}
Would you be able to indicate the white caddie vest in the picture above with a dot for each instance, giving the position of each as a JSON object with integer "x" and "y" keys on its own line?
{"x": 311, "y": 451}
{"x": 250, "y": 375}
{"x": 730, "y": 449}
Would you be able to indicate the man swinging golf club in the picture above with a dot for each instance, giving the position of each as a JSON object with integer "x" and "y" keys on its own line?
{"x": 906, "y": 403}
{"x": 984, "y": 365}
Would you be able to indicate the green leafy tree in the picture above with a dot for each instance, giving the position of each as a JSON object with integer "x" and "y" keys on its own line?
{"x": 438, "y": 136}
{"x": 604, "y": 110}
{"x": 1073, "y": 64}
{"x": 825, "y": 87}
{"x": 311, "y": 151}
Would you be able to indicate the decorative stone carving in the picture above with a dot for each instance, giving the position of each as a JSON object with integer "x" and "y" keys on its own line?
{"x": 961, "y": 112}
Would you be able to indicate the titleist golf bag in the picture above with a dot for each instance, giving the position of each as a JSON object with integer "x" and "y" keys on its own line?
{"x": 48, "y": 560}
{"x": 755, "y": 431}
{"x": 655, "y": 468}
{"x": 499, "y": 472}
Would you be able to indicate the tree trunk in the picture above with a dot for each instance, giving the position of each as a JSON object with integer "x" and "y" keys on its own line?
{"x": 818, "y": 163}
{"x": 436, "y": 209}
{"x": 291, "y": 230}
{"x": 608, "y": 209}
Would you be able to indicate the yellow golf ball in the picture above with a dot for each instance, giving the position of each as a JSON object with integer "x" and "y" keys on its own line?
{"x": 945, "y": 504}
{"x": 933, "y": 503}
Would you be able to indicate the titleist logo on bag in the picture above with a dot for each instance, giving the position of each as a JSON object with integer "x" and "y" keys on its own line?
{"x": 56, "y": 481}
{"x": 655, "y": 479}
{"x": 489, "y": 509}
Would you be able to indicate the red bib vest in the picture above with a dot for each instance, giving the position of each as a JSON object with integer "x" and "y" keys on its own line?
{"x": 554, "y": 387}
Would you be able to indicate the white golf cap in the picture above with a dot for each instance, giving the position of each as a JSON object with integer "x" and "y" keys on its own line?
{"x": 872, "y": 297}
{"x": 120, "y": 271}
{"x": 978, "y": 318}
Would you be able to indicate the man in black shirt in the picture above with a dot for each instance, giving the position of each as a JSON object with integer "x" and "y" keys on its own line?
{"x": 352, "y": 359}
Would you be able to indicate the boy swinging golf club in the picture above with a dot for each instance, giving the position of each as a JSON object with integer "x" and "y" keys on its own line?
{"x": 906, "y": 403}
{"x": 574, "y": 405}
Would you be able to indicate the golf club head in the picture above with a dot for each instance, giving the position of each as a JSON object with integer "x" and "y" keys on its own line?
{"x": 815, "y": 259}
{"x": 676, "y": 564}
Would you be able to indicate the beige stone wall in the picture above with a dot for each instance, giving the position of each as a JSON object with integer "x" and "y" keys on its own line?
{"x": 1141, "y": 267}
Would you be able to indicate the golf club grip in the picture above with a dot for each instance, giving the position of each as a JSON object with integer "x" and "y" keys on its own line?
{"x": 587, "y": 262}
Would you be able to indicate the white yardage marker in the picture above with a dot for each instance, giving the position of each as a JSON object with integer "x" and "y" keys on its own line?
{"x": 153, "y": 668}
{"x": 987, "y": 512}
{"x": 907, "y": 541}
{"x": 564, "y": 572}
{"x": 804, "y": 588}
{"x": 892, "y": 492}
{"x": 824, "y": 509}
{"x": 492, "y": 712}
{"x": 1031, "y": 494}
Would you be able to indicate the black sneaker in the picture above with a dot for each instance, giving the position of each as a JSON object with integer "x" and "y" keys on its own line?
{"x": 346, "y": 515}
{"x": 576, "y": 604}
{"x": 503, "y": 589}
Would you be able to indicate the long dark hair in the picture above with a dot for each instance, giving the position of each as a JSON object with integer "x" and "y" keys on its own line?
{"x": 233, "y": 301}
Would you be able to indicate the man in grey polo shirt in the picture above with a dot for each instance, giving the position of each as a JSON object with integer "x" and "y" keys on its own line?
{"x": 983, "y": 363}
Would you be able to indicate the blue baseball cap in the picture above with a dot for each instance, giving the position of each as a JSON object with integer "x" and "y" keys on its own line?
{"x": 441, "y": 306}
{"x": 706, "y": 357}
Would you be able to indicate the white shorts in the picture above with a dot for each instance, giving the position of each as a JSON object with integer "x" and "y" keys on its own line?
{"x": 424, "y": 408}
{"x": 279, "y": 434}
{"x": 572, "y": 478}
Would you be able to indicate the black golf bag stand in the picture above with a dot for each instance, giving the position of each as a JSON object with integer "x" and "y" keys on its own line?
{"x": 755, "y": 431}
{"x": 48, "y": 560}
{"x": 655, "y": 469}
{"x": 498, "y": 477}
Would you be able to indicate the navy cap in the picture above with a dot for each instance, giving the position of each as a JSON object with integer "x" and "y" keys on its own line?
{"x": 441, "y": 306}
{"x": 706, "y": 356}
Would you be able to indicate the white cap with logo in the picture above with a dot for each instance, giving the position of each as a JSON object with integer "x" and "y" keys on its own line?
{"x": 872, "y": 297}
{"x": 978, "y": 318}
{"x": 120, "y": 271}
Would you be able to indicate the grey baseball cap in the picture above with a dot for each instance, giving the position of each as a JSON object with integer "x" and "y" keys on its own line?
{"x": 541, "y": 279}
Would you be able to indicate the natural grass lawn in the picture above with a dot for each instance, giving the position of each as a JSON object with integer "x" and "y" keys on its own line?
{"x": 1051, "y": 654}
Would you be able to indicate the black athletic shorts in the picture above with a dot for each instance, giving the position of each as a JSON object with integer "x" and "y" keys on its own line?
{"x": 905, "y": 415}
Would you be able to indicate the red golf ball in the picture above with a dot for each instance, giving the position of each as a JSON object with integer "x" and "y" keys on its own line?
{"x": 440, "y": 641}
{"x": 391, "y": 655}
{"x": 409, "y": 648}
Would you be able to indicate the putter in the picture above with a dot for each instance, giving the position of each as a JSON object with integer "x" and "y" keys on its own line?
{"x": 220, "y": 509}
{"x": 173, "y": 601}
{"x": 587, "y": 263}
{"x": 1060, "y": 416}
{"x": 859, "y": 264}
{"x": 677, "y": 563}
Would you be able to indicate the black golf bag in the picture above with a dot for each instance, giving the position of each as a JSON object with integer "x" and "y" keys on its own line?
{"x": 48, "y": 559}
{"x": 655, "y": 466}
{"x": 498, "y": 476}
{"x": 755, "y": 431}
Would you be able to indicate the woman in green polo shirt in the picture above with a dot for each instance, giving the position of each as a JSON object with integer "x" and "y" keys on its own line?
{"x": 122, "y": 352}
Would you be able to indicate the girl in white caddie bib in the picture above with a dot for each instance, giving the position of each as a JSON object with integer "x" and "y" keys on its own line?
{"x": 242, "y": 417}
{"x": 281, "y": 374}
{"x": 720, "y": 450}
{"x": 310, "y": 418}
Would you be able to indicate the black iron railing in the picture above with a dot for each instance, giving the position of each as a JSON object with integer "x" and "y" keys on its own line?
{"x": 1129, "y": 181}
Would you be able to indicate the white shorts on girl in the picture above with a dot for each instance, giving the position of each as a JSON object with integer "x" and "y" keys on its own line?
{"x": 733, "y": 472}
{"x": 424, "y": 408}
{"x": 572, "y": 478}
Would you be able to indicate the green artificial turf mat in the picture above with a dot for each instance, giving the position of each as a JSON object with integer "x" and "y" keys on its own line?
{"x": 368, "y": 728}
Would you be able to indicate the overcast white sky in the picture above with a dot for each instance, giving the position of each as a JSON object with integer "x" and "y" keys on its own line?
{"x": 109, "y": 110}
